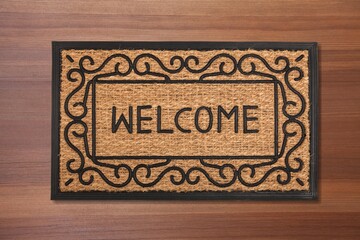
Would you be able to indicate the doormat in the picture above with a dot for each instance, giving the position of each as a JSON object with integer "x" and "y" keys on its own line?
{"x": 184, "y": 120}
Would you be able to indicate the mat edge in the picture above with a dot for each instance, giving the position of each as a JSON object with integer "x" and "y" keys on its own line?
{"x": 312, "y": 47}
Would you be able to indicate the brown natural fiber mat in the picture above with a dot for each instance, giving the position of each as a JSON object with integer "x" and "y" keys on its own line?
{"x": 184, "y": 120}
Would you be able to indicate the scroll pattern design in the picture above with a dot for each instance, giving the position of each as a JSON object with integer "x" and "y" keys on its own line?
{"x": 247, "y": 65}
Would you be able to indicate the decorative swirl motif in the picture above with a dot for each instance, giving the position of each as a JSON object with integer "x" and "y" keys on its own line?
{"x": 182, "y": 174}
{"x": 162, "y": 66}
{"x": 183, "y": 64}
{"x": 208, "y": 65}
{"x": 292, "y": 103}
{"x": 73, "y": 147}
{"x": 285, "y": 69}
{"x": 103, "y": 176}
{"x": 102, "y": 66}
{"x": 253, "y": 70}
{"x": 280, "y": 170}
{"x": 70, "y": 77}
{"x": 178, "y": 175}
{"x": 148, "y": 169}
{"x": 81, "y": 169}
{"x": 288, "y": 169}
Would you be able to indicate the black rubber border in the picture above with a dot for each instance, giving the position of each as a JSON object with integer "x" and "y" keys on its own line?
{"x": 261, "y": 195}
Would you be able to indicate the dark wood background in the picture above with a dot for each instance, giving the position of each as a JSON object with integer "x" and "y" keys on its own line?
{"x": 26, "y": 31}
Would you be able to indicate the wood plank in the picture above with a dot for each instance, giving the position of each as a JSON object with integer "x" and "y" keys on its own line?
{"x": 26, "y": 31}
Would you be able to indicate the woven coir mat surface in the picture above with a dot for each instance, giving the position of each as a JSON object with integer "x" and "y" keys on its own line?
{"x": 184, "y": 120}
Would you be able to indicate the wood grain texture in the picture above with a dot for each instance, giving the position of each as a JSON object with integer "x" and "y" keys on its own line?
{"x": 26, "y": 31}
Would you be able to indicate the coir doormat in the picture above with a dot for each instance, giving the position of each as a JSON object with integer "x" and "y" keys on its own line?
{"x": 184, "y": 120}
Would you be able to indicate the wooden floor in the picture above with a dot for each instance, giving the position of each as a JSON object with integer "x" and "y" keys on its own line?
{"x": 26, "y": 31}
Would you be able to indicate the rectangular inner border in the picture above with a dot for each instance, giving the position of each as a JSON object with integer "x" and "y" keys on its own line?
{"x": 98, "y": 81}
